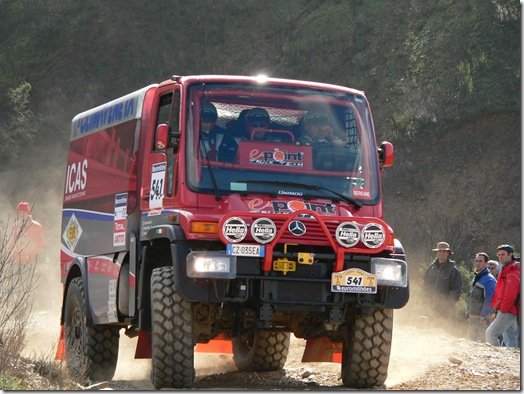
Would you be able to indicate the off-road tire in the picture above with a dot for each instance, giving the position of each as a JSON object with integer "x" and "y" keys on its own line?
{"x": 261, "y": 351}
{"x": 365, "y": 354}
{"x": 91, "y": 352}
{"x": 172, "y": 358}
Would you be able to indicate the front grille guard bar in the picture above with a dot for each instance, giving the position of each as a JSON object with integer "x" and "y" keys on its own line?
{"x": 339, "y": 250}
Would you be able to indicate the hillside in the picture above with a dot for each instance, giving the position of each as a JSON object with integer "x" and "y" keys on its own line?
{"x": 462, "y": 185}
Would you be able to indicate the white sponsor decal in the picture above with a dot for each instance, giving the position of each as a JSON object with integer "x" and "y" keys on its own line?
{"x": 111, "y": 301}
{"x": 76, "y": 180}
{"x": 120, "y": 220}
{"x": 156, "y": 193}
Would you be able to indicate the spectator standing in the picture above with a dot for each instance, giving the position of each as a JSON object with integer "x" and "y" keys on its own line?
{"x": 479, "y": 298}
{"x": 442, "y": 282}
{"x": 494, "y": 267}
{"x": 506, "y": 300}
{"x": 28, "y": 234}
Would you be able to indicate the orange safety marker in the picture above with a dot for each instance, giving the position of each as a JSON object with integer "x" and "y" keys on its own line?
{"x": 322, "y": 349}
{"x": 60, "y": 349}
{"x": 219, "y": 344}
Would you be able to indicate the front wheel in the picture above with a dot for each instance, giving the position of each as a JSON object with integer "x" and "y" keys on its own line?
{"x": 365, "y": 354}
{"x": 172, "y": 333}
{"x": 261, "y": 350}
{"x": 91, "y": 352}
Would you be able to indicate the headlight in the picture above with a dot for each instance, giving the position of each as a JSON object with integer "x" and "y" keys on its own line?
{"x": 211, "y": 265}
{"x": 390, "y": 272}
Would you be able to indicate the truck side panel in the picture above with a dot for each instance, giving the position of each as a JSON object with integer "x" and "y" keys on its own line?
{"x": 100, "y": 188}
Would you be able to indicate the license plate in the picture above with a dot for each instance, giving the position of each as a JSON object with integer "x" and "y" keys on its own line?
{"x": 353, "y": 280}
{"x": 250, "y": 250}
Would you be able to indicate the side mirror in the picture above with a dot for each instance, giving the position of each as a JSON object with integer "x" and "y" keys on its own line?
{"x": 162, "y": 133}
{"x": 386, "y": 154}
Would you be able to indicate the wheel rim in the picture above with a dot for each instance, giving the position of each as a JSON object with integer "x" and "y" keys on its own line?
{"x": 248, "y": 341}
{"x": 75, "y": 340}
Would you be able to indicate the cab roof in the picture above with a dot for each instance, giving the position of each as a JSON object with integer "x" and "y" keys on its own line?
{"x": 261, "y": 79}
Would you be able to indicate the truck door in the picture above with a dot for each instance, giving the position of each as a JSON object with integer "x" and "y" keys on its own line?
{"x": 160, "y": 172}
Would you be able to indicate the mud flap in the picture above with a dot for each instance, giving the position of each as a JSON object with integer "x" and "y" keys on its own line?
{"x": 143, "y": 345}
{"x": 219, "y": 344}
{"x": 60, "y": 349}
{"x": 321, "y": 349}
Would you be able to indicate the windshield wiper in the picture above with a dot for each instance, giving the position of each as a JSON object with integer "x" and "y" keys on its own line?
{"x": 310, "y": 187}
{"x": 211, "y": 174}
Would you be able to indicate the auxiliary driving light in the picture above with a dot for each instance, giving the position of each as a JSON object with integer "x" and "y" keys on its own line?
{"x": 211, "y": 265}
{"x": 390, "y": 272}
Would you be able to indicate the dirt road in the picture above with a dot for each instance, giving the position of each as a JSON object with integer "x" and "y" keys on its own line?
{"x": 421, "y": 359}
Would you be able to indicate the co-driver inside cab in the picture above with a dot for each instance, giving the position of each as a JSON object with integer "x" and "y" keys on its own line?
{"x": 329, "y": 150}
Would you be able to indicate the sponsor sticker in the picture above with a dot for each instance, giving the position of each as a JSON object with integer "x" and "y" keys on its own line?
{"x": 373, "y": 235}
{"x": 277, "y": 157}
{"x": 234, "y": 229}
{"x": 347, "y": 234}
{"x": 72, "y": 233}
{"x": 120, "y": 220}
{"x": 361, "y": 193}
{"x": 111, "y": 301}
{"x": 353, "y": 280}
{"x": 263, "y": 230}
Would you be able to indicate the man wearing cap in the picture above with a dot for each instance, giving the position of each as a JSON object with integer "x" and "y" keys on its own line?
{"x": 479, "y": 299}
{"x": 506, "y": 300}
{"x": 443, "y": 282}
{"x": 29, "y": 236}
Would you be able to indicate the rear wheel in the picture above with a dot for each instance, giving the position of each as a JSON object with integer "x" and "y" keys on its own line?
{"x": 365, "y": 354}
{"x": 172, "y": 333}
{"x": 91, "y": 352}
{"x": 261, "y": 350}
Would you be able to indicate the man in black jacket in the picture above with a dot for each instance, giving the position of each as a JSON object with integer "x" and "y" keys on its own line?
{"x": 442, "y": 282}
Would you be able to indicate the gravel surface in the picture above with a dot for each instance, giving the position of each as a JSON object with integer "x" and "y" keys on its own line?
{"x": 421, "y": 359}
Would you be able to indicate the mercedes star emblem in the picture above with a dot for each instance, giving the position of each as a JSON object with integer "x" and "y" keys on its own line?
{"x": 297, "y": 228}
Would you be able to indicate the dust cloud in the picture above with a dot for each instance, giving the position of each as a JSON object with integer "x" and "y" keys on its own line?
{"x": 417, "y": 344}
{"x": 41, "y": 187}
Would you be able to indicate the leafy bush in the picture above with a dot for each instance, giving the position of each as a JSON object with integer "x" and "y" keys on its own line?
{"x": 467, "y": 275}
{"x": 8, "y": 382}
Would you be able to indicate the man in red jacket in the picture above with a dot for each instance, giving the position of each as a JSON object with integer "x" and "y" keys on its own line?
{"x": 506, "y": 300}
{"x": 29, "y": 235}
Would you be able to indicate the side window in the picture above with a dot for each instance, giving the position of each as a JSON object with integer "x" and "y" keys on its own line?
{"x": 168, "y": 113}
{"x": 164, "y": 113}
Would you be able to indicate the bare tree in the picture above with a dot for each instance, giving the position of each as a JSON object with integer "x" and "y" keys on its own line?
{"x": 16, "y": 285}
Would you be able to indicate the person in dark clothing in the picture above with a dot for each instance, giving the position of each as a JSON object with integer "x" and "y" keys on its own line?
{"x": 443, "y": 283}
{"x": 241, "y": 130}
{"x": 479, "y": 299}
{"x": 211, "y": 135}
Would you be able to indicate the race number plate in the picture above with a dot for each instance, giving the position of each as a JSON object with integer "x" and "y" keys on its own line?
{"x": 353, "y": 280}
{"x": 250, "y": 250}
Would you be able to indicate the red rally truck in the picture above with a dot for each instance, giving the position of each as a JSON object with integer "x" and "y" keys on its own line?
{"x": 200, "y": 214}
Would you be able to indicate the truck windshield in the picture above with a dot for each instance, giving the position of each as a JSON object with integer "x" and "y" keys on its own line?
{"x": 280, "y": 140}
